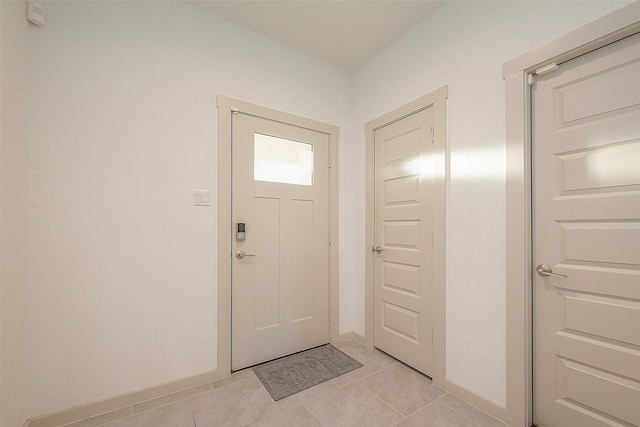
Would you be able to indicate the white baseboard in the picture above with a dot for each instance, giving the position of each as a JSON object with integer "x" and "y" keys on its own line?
{"x": 346, "y": 337}
{"x": 92, "y": 409}
{"x": 479, "y": 401}
{"x": 349, "y": 336}
{"x": 359, "y": 338}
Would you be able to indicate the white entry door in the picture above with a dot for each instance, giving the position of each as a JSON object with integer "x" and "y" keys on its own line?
{"x": 280, "y": 267}
{"x": 403, "y": 239}
{"x": 586, "y": 220}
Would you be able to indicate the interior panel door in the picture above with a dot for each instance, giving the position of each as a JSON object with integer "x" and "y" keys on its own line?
{"x": 403, "y": 235}
{"x": 586, "y": 216}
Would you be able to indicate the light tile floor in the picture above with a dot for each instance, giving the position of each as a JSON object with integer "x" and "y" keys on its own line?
{"x": 383, "y": 393}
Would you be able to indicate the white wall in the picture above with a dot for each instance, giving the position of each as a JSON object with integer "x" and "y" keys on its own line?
{"x": 1, "y": 109}
{"x": 13, "y": 207}
{"x": 463, "y": 45}
{"x": 122, "y": 127}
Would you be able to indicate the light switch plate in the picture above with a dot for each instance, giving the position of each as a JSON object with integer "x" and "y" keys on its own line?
{"x": 201, "y": 198}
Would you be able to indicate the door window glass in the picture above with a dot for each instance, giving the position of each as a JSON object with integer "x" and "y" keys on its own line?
{"x": 282, "y": 160}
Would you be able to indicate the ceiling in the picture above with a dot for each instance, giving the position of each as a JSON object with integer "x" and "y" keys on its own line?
{"x": 343, "y": 32}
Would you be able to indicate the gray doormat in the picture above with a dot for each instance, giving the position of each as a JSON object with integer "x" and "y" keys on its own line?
{"x": 292, "y": 374}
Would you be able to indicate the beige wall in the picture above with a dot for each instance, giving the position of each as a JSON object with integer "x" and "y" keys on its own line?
{"x": 13, "y": 211}
{"x": 463, "y": 45}
{"x": 118, "y": 103}
{"x": 122, "y": 127}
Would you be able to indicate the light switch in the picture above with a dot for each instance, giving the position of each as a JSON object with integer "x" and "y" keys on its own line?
{"x": 201, "y": 198}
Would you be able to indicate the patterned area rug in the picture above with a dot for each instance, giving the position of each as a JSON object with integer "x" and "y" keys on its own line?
{"x": 292, "y": 374}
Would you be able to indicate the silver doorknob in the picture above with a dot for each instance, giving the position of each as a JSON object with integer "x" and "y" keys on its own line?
{"x": 544, "y": 270}
{"x": 240, "y": 254}
{"x": 378, "y": 249}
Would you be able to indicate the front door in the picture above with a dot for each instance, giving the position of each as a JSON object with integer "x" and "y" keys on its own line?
{"x": 280, "y": 259}
{"x": 586, "y": 217}
{"x": 403, "y": 237}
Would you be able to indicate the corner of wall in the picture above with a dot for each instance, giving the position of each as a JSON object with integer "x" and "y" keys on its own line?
{"x": 0, "y": 211}
{"x": 13, "y": 210}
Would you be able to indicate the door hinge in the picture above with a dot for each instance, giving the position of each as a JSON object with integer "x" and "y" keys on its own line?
{"x": 234, "y": 110}
{"x": 330, "y": 240}
{"x": 432, "y": 135}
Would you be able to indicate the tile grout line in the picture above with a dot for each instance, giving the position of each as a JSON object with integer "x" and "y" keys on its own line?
{"x": 373, "y": 362}
{"x": 471, "y": 406}
{"x": 309, "y": 412}
{"x": 193, "y": 415}
{"x": 424, "y": 406}
{"x": 412, "y": 372}
{"x": 382, "y": 400}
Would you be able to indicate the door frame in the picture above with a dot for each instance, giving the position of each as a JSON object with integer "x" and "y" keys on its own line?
{"x": 226, "y": 108}
{"x": 518, "y": 173}
{"x": 437, "y": 101}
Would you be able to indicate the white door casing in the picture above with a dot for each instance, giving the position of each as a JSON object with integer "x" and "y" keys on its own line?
{"x": 227, "y": 108}
{"x": 586, "y": 218}
{"x": 403, "y": 238}
{"x": 401, "y": 283}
